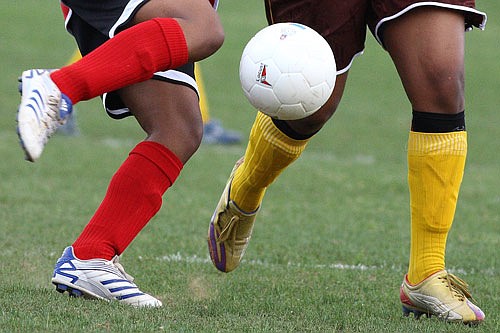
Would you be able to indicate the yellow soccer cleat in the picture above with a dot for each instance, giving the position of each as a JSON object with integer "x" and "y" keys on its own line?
{"x": 230, "y": 230}
{"x": 443, "y": 295}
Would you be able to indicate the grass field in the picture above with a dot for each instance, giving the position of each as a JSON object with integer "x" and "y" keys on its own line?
{"x": 331, "y": 242}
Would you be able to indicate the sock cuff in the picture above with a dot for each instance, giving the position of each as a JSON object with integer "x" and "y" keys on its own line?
{"x": 428, "y": 122}
{"x": 452, "y": 143}
{"x": 283, "y": 126}
{"x": 175, "y": 39}
{"x": 273, "y": 135}
{"x": 160, "y": 156}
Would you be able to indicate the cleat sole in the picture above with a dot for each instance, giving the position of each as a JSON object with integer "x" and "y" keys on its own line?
{"x": 62, "y": 288}
{"x": 416, "y": 313}
{"x": 75, "y": 293}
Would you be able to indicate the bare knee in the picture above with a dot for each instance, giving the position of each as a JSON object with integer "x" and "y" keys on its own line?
{"x": 444, "y": 88}
{"x": 184, "y": 141}
{"x": 199, "y": 22}
{"x": 168, "y": 113}
{"x": 315, "y": 122}
{"x": 203, "y": 45}
{"x": 434, "y": 84}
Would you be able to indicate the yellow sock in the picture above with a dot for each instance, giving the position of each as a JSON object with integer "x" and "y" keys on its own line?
{"x": 205, "y": 114}
{"x": 436, "y": 164}
{"x": 74, "y": 57}
{"x": 268, "y": 153}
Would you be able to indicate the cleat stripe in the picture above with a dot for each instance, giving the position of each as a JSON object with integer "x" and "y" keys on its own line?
{"x": 39, "y": 100}
{"x": 219, "y": 264}
{"x": 105, "y": 282}
{"x": 72, "y": 277}
{"x": 122, "y": 297}
{"x": 113, "y": 290}
{"x": 34, "y": 111}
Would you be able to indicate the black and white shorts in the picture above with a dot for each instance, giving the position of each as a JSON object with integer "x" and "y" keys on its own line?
{"x": 93, "y": 22}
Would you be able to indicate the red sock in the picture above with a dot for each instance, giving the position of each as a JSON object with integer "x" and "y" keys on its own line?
{"x": 134, "y": 196}
{"x": 132, "y": 56}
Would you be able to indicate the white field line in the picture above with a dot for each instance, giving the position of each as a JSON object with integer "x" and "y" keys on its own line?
{"x": 194, "y": 259}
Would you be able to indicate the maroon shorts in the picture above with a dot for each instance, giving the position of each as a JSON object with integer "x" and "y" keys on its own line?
{"x": 344, "y": 23}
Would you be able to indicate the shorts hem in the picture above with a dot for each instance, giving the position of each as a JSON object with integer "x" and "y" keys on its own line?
{"x": 428, "y": 3}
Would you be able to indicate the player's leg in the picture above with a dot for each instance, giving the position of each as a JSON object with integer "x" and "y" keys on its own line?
{"x": 274, "y": 145}
{"x": 427, "y": 47}
{"x": 160, "y": 36}
{"x": 430, "y": 61}
{"x": 170, "y": 116}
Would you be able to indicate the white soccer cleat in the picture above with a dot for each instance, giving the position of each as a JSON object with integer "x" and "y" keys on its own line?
{"x": 43, "y": 109}
{"x": 98, "y": 279}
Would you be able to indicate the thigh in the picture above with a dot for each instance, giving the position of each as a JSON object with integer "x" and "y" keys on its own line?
{"x": 384, "y": 11}
{"x": 169, "y": 114}
{"x": 198, "y": 20}
{"x": 112, "y": 16}
{"x": 427, "y": 47}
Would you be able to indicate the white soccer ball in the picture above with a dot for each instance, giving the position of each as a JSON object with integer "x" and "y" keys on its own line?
{"x": 287, "y": 71}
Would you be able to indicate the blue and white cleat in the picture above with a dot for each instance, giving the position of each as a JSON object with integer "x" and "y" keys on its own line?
{"x": 215, "y": 134}
{"x": 98, "y": 279}
{"x": 43, "y": 109}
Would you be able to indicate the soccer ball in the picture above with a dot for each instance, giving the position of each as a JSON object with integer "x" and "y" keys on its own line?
{"x": 287, "y": 71}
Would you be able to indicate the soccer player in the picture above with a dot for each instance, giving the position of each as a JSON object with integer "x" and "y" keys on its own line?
{"x": 426, "y": 43}
{"x": 139, "y": 55}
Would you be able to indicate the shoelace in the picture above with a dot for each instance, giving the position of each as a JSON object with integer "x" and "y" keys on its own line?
{"x": 457, "y": 286}
{"x": 227, "y": 231}
{"x": 116, "y": 263}
{"x": 53, "y": 121}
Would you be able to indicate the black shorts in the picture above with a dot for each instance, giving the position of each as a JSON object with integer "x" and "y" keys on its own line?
{"x": 93, "y": 22}
{"x": 344, "y": 23}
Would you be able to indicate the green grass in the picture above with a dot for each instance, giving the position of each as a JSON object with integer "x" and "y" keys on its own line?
{"x": 331, "y": 243}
